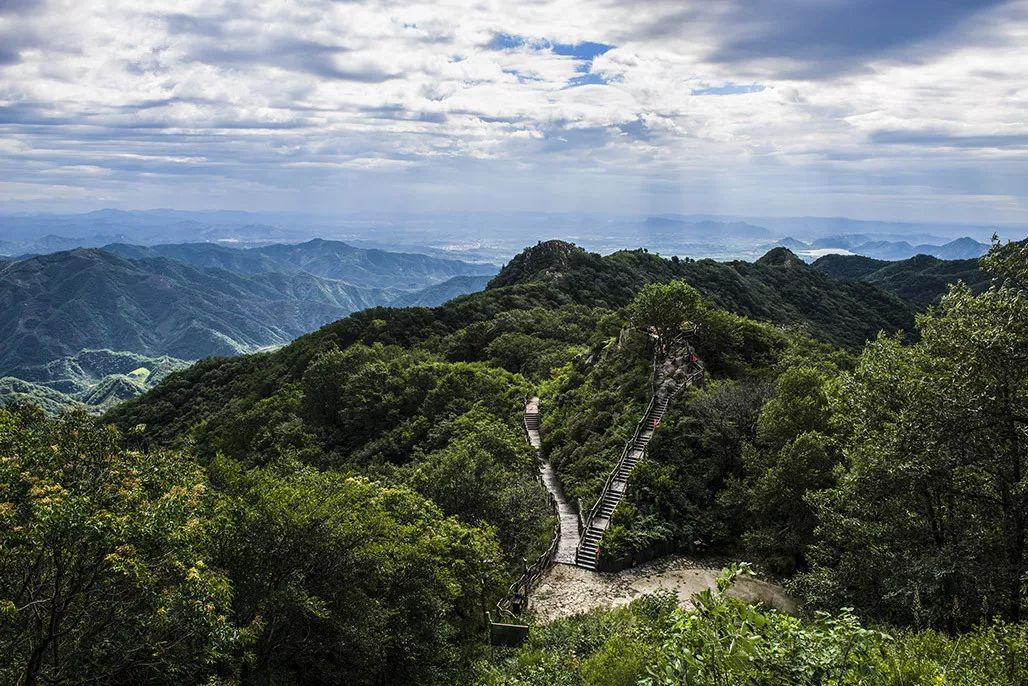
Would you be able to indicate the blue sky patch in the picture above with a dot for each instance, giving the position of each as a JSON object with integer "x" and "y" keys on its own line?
{"x": 581, "y": 51}
{"x": 730, "y": 89}
{"x": 586, "y": 79}
{"x": 584, "y": 52}
{"x": 505, "y": 41}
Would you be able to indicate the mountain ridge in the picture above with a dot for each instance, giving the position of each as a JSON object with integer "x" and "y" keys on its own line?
{"x": 54, "y": 305}
{"x": 548, "y": 276}
{"x": 329, "y": 259}
{"x": 921, "y": 279}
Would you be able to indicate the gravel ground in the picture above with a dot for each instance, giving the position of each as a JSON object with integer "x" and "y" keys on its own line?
{"x": 566, "y": 590}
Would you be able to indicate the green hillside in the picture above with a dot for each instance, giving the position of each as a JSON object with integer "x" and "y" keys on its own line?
{"x": 921, "y": 280}
{"x": 94, "y": 379}
{"x": 15, "y": 391}
{"x": 53, "y": 306}
{"x": 551, "y": 275}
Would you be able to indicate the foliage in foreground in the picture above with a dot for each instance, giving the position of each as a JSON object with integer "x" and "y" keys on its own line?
{"x": 118, "y": 566}
{"x": 725, "y": 642}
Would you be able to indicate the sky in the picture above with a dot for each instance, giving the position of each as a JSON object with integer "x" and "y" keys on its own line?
{"x": 912, "y": 110}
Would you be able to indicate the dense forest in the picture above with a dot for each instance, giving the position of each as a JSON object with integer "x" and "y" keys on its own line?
{"x": 345, "y": 509}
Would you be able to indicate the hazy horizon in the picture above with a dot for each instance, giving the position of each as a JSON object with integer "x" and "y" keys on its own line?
{"x": 339, "y": 215}
{"x": 496, "y": 236}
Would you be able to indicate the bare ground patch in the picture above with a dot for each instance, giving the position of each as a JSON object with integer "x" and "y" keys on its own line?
{"x": 566, "y": 590}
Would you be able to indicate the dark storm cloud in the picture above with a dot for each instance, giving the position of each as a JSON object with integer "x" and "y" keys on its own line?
{"x": 20, "y": 6}
{"x": 827, "y": 37}
{"x": 8, "y": 56}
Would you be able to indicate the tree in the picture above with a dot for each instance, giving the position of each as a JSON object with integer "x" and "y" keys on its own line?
{"x": 324, "y": 382}
{"x": 667, "y": 308}
{"x": 342, "y": 580}
{"x": 268, "y": 430}
{"x": 927, "y": 523}
{"x": 793, "y": 453}
{"x": 105, "y": 572}
{"x": 480, "y": 469}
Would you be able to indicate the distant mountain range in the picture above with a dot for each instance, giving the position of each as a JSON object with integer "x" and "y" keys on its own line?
{"x": 920, "y": 280}
{"x": 326, "y": 259}
{"x": 960, "y": 249}
{"x": 186, "y": 302}
{"x": 487, "y": 236}
{"x": 862, "y": 244}
{"x": 146, "y": 226}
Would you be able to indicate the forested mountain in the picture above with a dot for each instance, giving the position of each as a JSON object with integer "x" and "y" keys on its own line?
{"x": 53, "y": 306}
{"x": 191, "y": 301}
{"x": 91, "y": 378}
{"x": 921, "y": 280}
{"x": 326, "y": 259}
{"x": 779, "y": 288}
{"x": 550, "y": 275}
{"x": 343, "y": 509}
{"x": 430, "y": 296}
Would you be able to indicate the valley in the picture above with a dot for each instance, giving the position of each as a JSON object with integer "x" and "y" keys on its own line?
{"x": 180, "y": 303}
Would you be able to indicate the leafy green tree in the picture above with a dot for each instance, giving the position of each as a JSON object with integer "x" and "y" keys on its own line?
{"x": 481, "y": 469}
{"x": 268, "y": 430}
{"x": 927, "y": 523}
{"x": 667, "y": 308}
{"x": 794, "y": 452}
{"x": 105, "y": 564}
{"x": 342, "y": 580}
{"x": 1009, "y": 261}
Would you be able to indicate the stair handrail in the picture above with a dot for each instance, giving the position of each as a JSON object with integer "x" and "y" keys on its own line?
{"x": 698, "y": 372}
{"x": 610, "y": 477}
{"x": 532, "y": 572}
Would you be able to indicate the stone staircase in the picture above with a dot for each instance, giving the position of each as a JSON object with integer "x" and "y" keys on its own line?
{"x": 532, "y": 423}
{"x": 588, "y": 551}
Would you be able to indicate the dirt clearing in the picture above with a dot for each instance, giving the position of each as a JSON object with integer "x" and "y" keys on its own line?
{"x": 566, "y": 590}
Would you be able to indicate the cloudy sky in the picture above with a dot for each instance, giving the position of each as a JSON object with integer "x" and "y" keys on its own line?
{"x": 867, "y": 108}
